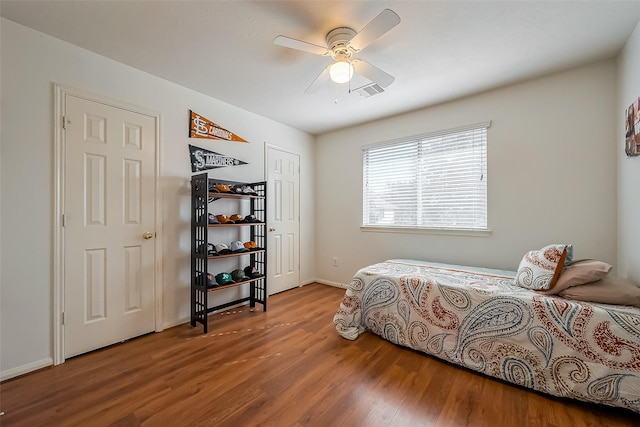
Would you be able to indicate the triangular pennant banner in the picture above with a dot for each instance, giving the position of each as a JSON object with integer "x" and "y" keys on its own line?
{"x": 202, "y": 159}
{"x": 201, "y": 127}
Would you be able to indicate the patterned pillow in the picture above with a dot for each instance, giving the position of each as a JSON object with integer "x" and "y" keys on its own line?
{"x": 540, "y": 269}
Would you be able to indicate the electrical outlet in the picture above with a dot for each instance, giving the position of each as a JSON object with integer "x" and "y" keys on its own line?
{"x": 335, "y": 261}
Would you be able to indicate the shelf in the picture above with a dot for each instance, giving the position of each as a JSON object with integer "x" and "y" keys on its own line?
{"x": 236, "y": 225}
{"x": 216, "y": 196}
{"x": 231, "y": 285}
{"x": 234, "y": 254}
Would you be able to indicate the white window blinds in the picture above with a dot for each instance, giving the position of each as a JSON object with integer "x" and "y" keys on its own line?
{"x": 438, "y": 180}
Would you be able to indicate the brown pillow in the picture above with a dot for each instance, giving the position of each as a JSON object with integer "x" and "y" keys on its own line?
{"x": 611, "y": 289}
{"x": 579, "y": 273}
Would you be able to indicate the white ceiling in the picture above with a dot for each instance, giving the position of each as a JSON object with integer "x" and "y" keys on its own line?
{"x": 441, "y": 50}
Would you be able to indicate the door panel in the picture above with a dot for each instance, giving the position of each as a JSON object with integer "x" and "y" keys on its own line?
{"x": 283, "y": 179}
{"x": 109, "y": 204}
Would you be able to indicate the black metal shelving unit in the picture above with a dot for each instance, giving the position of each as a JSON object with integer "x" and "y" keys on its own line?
{"x": 201, "y": 294}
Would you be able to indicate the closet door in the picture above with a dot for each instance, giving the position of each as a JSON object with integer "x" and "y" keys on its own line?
{"x": 283, "y": 217}
{"x": 109, "y": 225}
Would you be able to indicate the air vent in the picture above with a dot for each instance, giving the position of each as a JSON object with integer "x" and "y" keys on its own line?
{"x": 369, "y": 90}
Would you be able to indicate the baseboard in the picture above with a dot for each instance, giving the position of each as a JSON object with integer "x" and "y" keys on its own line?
{"x": 330, "y": 283}
{"x": 25, "y": 369}
{"x": 175, "y": 323}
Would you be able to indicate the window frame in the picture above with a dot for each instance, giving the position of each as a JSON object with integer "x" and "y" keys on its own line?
{"x": 413, "y": 229}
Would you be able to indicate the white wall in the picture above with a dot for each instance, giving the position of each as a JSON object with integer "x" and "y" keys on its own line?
{"x": 628, "y": 167}
{"x": 551, "y": 176}
{"x": 31, "y": 63}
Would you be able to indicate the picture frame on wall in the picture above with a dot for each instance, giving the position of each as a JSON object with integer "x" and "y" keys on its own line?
{"x": 632, "y": 129}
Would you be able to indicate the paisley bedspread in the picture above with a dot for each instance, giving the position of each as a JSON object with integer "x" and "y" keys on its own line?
{"x": 478, "y": 319}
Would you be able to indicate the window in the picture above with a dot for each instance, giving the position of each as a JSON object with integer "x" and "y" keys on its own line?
{"x": 434, "y": 181}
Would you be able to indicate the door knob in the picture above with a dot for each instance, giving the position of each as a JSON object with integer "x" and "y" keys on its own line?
{"x": 272, "y": 229}
{"x": 147, "y": 235}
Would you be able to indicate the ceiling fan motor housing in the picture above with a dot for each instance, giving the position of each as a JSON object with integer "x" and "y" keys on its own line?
{"x": 338, "y": 42}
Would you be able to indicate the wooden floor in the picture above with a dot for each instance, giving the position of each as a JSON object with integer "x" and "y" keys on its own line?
{"x": 286, "y": 367}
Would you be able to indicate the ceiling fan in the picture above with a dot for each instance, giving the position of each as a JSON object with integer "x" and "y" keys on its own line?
{"x": 342, "y": 44}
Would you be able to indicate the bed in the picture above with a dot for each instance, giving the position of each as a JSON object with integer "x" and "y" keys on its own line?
{"x": 478, "y": 318}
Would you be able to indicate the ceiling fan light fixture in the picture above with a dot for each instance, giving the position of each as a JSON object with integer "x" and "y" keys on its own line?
{"x": 341, "y": 71}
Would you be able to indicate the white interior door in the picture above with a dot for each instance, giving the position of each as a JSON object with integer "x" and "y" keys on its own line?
{"x": 283, "y": 216}
{"x": 109, "y": 224}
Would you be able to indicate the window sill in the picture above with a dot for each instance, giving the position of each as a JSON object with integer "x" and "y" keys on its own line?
{"x": 441, "y": 231}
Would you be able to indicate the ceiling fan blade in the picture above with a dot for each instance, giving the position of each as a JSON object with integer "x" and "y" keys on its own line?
{"x": 386, "y": 20}
{"x": 373, "y": 73}
{"x": 320, "y": 81}
{"x": 300, "y": 45}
